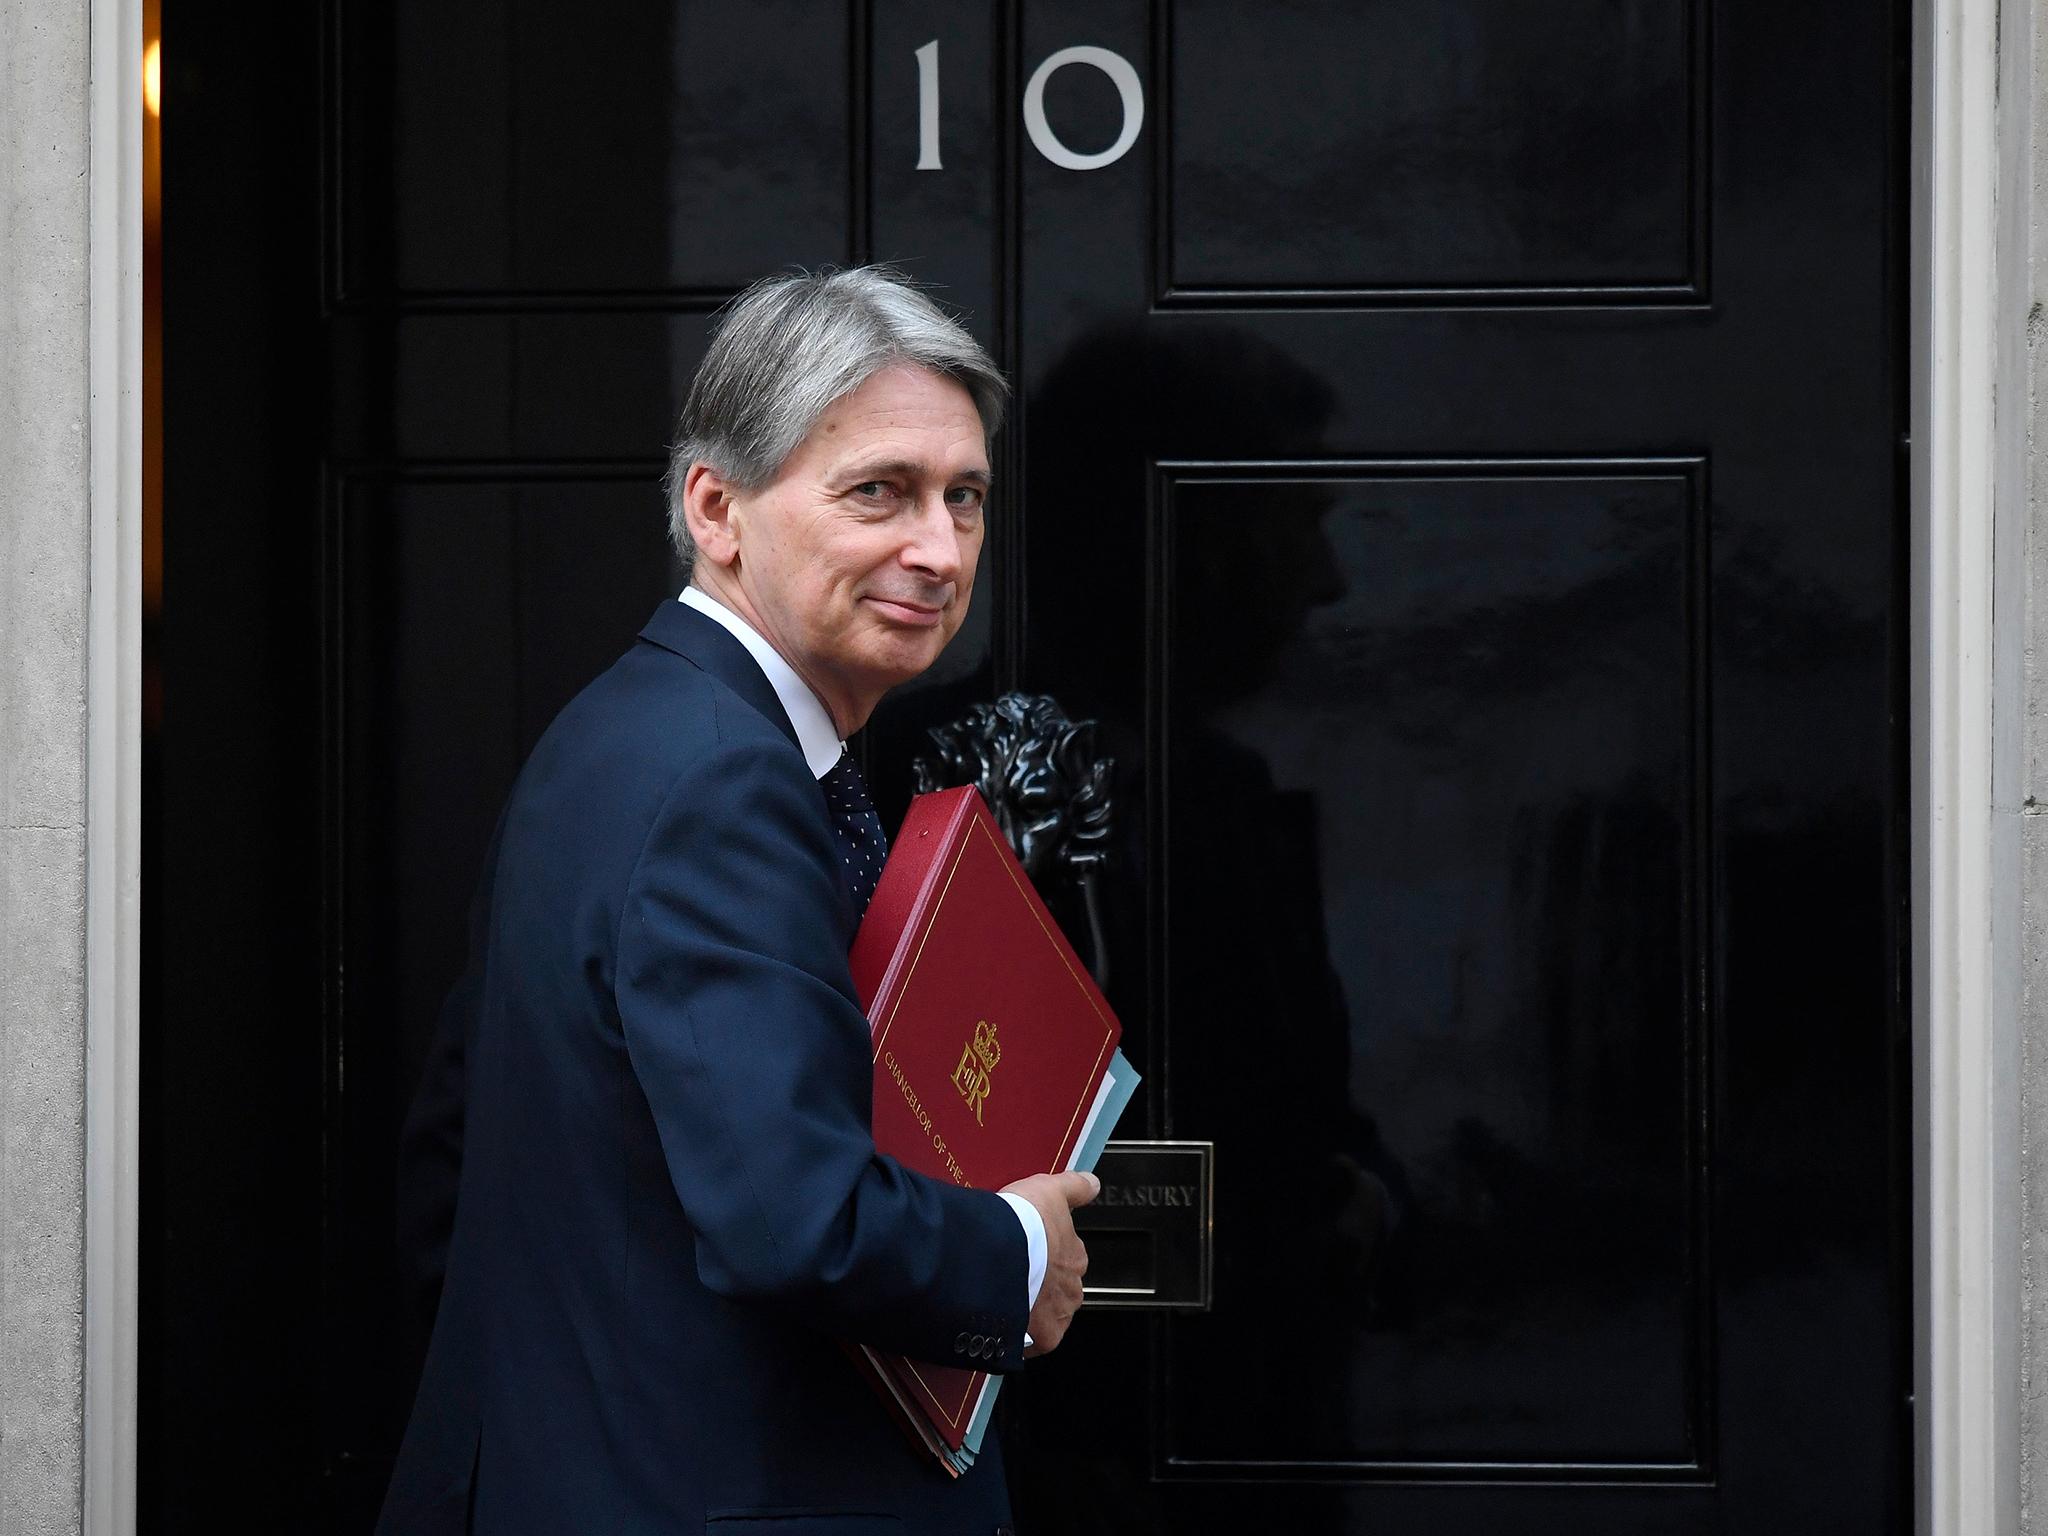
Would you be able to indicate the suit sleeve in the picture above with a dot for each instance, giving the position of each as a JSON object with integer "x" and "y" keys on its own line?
{"x": 740, "y": 1021}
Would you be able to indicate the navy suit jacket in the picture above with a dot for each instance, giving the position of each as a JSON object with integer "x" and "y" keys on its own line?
{"x": 641, "y": 1158}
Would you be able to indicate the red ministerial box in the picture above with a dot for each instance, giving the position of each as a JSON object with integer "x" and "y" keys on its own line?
{"x": 991, "y": 1039}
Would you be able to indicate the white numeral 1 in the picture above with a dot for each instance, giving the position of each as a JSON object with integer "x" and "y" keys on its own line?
{"x": 928, "y": 107}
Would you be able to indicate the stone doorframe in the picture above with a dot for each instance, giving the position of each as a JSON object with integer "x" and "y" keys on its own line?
{"x": 70, "y": 757}
{"x": 1979, "y": 767}
{"x": 113, "y": 871}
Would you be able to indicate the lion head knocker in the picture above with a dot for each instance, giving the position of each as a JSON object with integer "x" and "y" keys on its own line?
{"x": 1044, "y": 784}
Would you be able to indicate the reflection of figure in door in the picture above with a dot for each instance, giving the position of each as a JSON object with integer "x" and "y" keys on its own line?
{"x": 1306, "y": 1196}
{"x": 1309, "y": 1206}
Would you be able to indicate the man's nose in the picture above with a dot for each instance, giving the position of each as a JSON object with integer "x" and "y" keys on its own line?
{"x": 934, "y": 546}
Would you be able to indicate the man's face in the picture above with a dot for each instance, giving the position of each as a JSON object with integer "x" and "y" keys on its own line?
{"x": 858, "y": 558}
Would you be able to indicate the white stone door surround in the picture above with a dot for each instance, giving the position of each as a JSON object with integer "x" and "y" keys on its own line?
{"x": 1980, "y": 860}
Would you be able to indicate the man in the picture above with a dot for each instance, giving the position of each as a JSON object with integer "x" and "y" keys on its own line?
{"x": 644, "y": 1138}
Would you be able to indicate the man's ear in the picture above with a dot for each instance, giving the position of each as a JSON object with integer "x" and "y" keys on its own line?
{"x": 707, "y": 513}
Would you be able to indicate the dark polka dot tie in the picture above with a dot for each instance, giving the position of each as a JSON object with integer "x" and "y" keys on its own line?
{"x": 862, "y": 847}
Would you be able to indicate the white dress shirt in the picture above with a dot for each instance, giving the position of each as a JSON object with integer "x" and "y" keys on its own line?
{"x": 822, "y": 748}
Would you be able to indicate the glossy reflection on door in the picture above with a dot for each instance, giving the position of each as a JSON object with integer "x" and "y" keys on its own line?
{"x": 1428, "y": 759}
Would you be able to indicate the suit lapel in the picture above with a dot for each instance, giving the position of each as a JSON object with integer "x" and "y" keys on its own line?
{"x": 708, "y": 646}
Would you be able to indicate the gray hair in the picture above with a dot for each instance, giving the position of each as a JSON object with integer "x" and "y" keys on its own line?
{"x": 790, "y": 346}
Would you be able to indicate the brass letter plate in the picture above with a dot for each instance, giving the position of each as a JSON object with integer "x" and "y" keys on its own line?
{"x": 1149, "y": 1231}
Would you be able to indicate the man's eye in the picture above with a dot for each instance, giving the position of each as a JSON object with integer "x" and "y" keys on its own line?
{"x": 870, "y": 488}
{"x": 964, "y": 496}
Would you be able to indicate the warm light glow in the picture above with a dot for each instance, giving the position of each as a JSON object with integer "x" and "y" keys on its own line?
{"x": 152, "y": 77}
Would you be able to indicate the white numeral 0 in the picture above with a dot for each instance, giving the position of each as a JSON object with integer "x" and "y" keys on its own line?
{"x": 1125, "y": 78}
{"x": 1114, "y": 65}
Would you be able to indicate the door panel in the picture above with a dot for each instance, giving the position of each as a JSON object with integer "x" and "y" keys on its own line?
{"x": 1406, "y": 787}
{"x": 1485, "y": 145}
{"x": 594, "y": 150}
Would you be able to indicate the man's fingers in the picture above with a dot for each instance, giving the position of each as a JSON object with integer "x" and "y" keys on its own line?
{"x": 1079, "y": 1188}
{"x": 1071, "y": 1188}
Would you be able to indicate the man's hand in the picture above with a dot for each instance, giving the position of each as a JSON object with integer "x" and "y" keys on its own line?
{"x": 1054, "y": 1196}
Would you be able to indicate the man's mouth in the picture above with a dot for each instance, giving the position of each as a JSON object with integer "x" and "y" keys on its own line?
{"x": 907, "y": 611}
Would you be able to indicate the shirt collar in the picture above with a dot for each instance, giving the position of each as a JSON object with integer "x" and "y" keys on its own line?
{"x": 808, "y": 716}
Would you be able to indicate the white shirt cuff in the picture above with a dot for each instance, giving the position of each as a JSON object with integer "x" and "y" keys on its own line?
{"x": 1034, "y": 1244}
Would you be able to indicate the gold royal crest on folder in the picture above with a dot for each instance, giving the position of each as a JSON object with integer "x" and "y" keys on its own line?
{"x": 978, "y": 1060}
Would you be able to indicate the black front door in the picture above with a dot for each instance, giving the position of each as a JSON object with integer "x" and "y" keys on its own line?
{"x": 1456, "y": 462}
